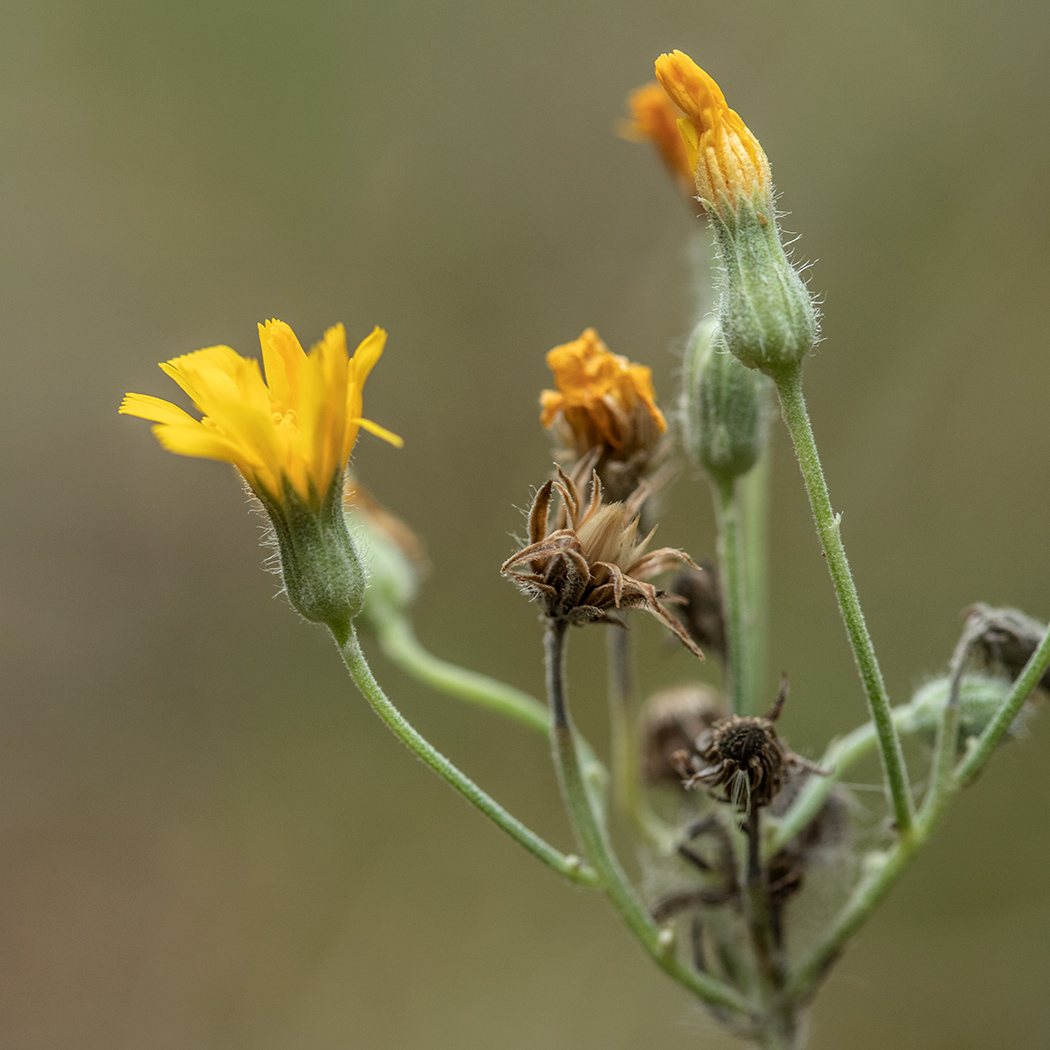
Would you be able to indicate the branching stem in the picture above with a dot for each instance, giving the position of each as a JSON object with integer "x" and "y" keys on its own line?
{"x": 598, "y": 850}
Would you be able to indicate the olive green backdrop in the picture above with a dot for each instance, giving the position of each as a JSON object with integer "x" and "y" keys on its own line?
{"x": 208, "y": 840}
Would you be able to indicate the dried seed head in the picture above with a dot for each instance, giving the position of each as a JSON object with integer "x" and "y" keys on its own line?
{"x": 593, "y": 565}
{"x": 672, "y": 720}
{"x": 741, "y": 760}
{"x": 701, "y": 612}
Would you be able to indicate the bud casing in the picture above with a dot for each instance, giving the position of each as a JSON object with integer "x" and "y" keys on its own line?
{"x": 723, "y": 406}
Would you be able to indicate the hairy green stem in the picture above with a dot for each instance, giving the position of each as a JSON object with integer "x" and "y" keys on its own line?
{"x": 754, "y": 504}
{"x": 840, "y": 755}
{"x": 659, "y": 943}
{"x": 564, "y": 864}
{"x": 399, "y": 642}
{"x": 885, "y": 871}
{"x": 734, "y": 594}
{"x": 793, "y": 406}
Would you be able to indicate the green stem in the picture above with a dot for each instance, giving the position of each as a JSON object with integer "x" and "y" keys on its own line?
{"x": 624, "y": 746}
{"x": 568, "y": 865}
{"x": 793, "y": 406}
{"x": 841, "y": 754}
{"x": 873, "y": 890}
{"x": 997, "y": 729}
{"x": 399, "y": 642}
{"x": 734, "y": 593}
{"x": 754, "y": 504}
{"x": 595, "y": 843}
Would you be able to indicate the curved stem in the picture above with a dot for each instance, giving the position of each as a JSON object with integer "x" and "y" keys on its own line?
{"x": 734, "y": 594}
{"x": 568, "y": 865}
{"x": 793, "y": 405}
{"x": 594, "y": 841}
{"x": 399, "y": 642}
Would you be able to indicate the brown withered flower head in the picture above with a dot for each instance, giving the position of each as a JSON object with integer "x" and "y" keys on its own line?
{"x": 604, "y": 407}
{"x": 1004, "y": 639}
{"x": 741, "y": 760}
{"x": 671, "y": 721}
{"x": 592, "y": 565}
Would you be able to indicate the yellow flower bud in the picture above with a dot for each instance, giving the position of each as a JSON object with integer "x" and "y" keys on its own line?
{"x": 727, "y": 162}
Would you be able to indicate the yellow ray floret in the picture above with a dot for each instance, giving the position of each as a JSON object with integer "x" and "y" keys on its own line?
{"x": 598, "y": 391}
{"x": 299, "y": 425}
{"x": 655, "y": 119}
{"x": 726, "y": 158}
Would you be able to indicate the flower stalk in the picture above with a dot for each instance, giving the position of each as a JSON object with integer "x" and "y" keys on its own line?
{"x": 596, "y": 846}
{"x": 567, "y": 865}
{"x": 789, "y": 389}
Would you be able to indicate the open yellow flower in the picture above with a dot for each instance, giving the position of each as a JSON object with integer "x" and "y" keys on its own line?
{"x": 655, "y": 119}
{"x": 727, "y": 161}
{"x": 297, "y": 428}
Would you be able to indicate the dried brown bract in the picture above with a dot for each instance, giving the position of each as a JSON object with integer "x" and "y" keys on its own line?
{"x": 672, "y": 719}
{"x": 741, "y": 760}
{"x": 593, "y": 565}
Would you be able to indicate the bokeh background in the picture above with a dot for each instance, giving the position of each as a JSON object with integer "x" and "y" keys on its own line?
{"x": 208, "y": 839}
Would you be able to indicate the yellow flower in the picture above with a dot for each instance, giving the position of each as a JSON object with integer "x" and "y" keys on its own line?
{"x": 602, "y": 397}
{"x": 654, "y": 119}
{"x": 297, "y": 428}
{"x": 726, "y": 158}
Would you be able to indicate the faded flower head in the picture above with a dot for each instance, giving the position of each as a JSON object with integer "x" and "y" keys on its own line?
{"x": 741, "y": 760}
{"x": 728, "y": 163}
{"x": 1005, "y": 639}
{"x": 671, "y": 721}
{"x": 605, "y": 406}
{"x": 297, "y": 428}
{"x": 592, "y": 565}
{"x": 654, "y": 118}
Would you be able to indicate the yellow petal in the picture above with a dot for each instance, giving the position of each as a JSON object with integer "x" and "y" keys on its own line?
{"x": 367, "y": 353}
{"x": 283, "y": 359}
{"x": 380, "y": 432}
{"x": 156, "y": 409}
{"x": 198, "y": 440}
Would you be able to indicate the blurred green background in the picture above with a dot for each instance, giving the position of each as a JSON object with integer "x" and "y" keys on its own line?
{"x": 208, "y": 839}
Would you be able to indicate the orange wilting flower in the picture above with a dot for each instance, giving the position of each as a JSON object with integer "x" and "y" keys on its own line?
{"x": 592, "y": 565}
{"x": 604, "y": 407}
{"x": 294, "y": 430}
{"x": 655, "y": 119}
{"x": 728, "y": 163}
